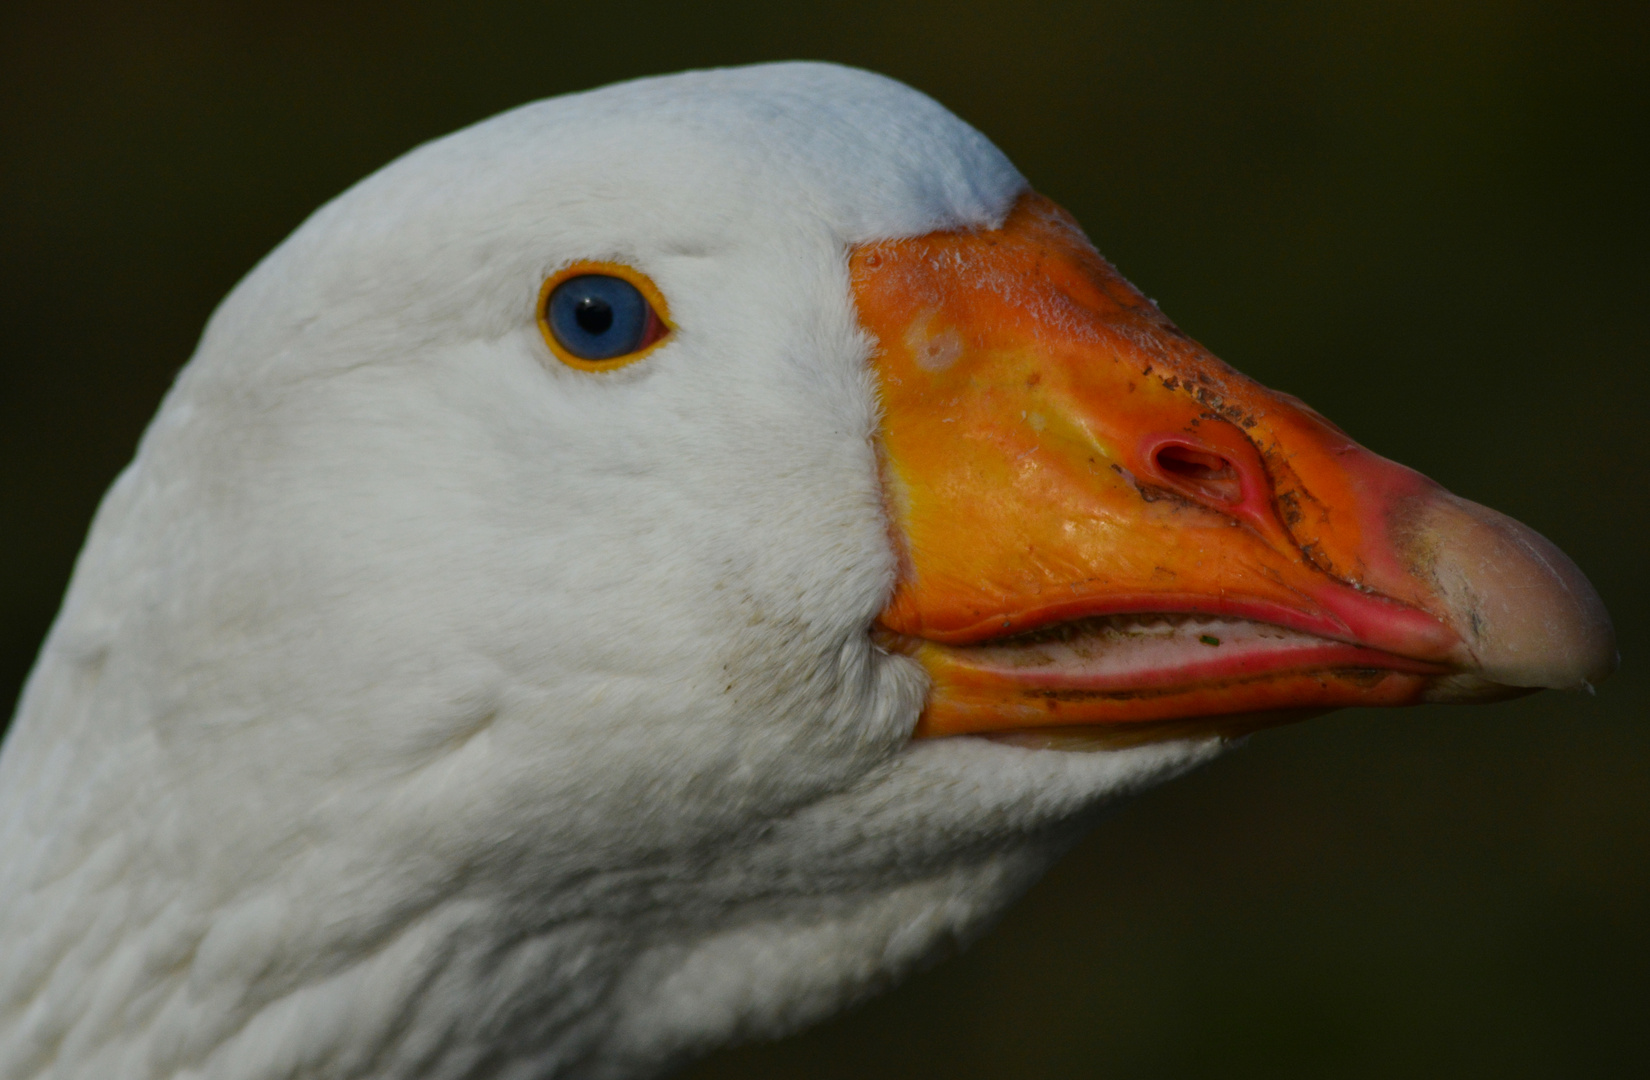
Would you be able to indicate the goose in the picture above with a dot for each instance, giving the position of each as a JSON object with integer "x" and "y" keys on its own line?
{"x": 655, "y": 567}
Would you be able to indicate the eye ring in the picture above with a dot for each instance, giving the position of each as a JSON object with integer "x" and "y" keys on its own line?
{"x": 658, "y": 328}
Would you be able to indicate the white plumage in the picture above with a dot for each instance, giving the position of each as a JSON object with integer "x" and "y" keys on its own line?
{"x": 421, "y": 708}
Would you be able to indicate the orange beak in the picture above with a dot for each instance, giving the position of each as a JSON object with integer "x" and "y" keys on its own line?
{"x": 1103, "y": 525}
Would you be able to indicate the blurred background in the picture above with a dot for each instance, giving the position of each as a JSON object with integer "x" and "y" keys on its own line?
{"x": 1429, "y": 220}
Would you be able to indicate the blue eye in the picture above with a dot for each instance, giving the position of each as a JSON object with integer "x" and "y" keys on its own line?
{"x": 599, "y": 317}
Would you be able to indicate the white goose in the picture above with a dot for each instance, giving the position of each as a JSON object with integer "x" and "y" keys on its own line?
{"x": 503, "y": 656}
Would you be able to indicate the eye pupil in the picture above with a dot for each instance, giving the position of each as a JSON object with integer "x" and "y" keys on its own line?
{"x": 600, "y": 317}
{"x": 594, "y": 315}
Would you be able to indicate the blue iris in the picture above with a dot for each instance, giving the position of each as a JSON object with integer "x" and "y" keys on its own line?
{"x": 596, "y": 317}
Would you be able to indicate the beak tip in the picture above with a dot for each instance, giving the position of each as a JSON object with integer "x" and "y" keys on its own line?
{"x": 1530, "y": 617}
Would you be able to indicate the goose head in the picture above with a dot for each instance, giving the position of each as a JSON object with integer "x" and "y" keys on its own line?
{"x": 439, "y": 694}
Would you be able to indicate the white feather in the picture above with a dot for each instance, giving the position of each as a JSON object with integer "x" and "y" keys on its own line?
{"x": 422, "y": 707}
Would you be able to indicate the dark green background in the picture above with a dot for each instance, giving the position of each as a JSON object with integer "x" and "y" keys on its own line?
{"x": 1428, "y": 219}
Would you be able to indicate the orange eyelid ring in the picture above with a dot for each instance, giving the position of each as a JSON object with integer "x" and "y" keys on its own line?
{"x": 660, "y": 326}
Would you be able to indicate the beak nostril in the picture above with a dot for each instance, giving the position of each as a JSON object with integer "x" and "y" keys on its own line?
{"x": 1205, "y": 474}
